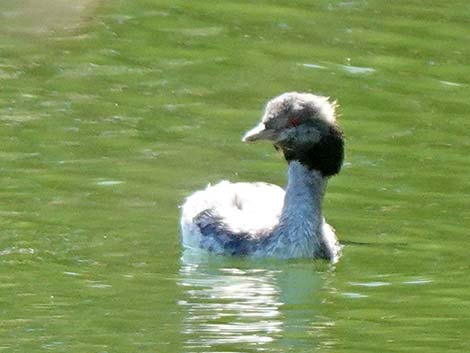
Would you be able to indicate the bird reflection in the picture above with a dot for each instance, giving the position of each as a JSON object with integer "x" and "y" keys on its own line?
{"x": 231, "y": 308}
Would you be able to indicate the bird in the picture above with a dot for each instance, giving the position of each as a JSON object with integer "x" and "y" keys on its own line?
{"x": 263, "y": 220}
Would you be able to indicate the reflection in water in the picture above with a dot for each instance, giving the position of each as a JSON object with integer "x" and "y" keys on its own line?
{"x": 229, "y": 305}
{"x": 256, "y": 308}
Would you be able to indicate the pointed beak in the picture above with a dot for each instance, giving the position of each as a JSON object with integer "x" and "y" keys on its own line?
{"x": 259, "y": 132}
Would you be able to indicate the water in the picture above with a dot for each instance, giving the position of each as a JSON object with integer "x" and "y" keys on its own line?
{"x": 112, "y": 112}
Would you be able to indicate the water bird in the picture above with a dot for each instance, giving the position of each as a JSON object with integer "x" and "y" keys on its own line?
{"x": 263, "y": 220}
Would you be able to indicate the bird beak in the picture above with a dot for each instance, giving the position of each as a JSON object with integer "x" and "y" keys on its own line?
{"x": 260, "y": 132}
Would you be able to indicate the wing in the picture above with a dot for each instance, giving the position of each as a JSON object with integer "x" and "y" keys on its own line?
{"x": 216, "y": 235}
{"x": 229, "y": 218}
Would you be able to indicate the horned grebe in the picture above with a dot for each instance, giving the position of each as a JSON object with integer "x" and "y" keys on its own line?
{"x": 259, "y": 219}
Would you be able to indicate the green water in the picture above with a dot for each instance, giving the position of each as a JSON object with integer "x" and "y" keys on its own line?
{"x": 111, "y": 112}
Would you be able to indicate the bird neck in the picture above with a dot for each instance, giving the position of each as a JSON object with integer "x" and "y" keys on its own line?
{"x": 299, "y": 232}
{"x": 304, "y": 192}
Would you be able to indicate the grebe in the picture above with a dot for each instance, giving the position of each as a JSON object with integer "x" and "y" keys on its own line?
{"x": 261, "y": 220}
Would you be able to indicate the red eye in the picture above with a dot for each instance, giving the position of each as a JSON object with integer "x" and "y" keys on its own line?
{"x": 294, "y": 122}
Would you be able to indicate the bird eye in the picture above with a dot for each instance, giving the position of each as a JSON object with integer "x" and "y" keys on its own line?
{"x": 294, "y": 122}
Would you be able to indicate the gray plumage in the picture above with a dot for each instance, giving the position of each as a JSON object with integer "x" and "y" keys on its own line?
{"x": 258, "y": 219}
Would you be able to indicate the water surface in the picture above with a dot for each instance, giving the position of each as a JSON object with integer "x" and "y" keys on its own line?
{"x": 112, "y": 112}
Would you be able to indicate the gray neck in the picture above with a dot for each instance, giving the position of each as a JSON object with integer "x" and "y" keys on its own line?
{"x": 299, "y": 232}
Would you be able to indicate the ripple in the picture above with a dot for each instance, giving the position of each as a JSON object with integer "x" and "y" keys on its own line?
{"x": 195, "y": 32}
{"x": 13, "y": 250}
{"x": 98, "y": 285}
{"x": 354, "y": 295}
{"x": 449, "y": 83}
{"x": 109, "y": 182}
{"x": 74, "y": 274}
{"x": 232, "y": 306}
{"x": 313, "y": 66}
{"x": 370, "y": 284}
{"x": 357, "y": 70}
{"x": 92, "y": 69}
{"x": 418, "y": 281}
